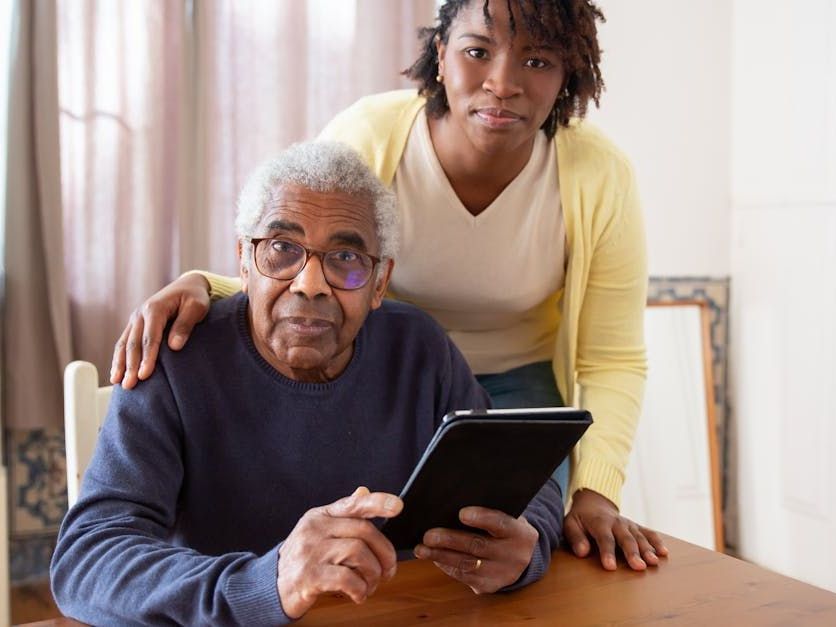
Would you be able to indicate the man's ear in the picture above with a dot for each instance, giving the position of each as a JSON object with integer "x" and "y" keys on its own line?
{"x": 243, "y": 270}
{"x": 382, "y": 283}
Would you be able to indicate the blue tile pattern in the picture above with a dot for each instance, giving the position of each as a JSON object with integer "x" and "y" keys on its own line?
{"x": 29, "y": 558}
{"x": 40, "y": 486}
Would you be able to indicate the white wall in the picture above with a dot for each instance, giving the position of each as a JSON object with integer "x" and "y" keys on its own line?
{"x": 735, "y": 150}
{"x": 667, "y": 105}
{"x": 784, "y": 283}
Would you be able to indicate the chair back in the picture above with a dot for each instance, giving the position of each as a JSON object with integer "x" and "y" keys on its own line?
{"x": 85, "y": 408}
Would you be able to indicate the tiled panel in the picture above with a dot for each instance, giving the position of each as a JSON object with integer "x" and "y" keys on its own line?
{"x": 30, "y": 558}
{"x": 38, "y": 484}
{"x": 38, "y": 499}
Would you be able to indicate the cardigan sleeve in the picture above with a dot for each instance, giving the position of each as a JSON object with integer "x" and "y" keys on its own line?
{"x": 611, "y": 360}
{"x": 220, "y": 286}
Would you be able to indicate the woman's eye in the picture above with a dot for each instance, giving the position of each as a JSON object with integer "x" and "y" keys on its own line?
{"x": 537, "y": 64}
{"x": 477, "y": 53}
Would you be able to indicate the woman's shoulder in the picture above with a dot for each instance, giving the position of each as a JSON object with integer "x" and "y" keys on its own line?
{"x": 589, "y": 152}
{"x": 377, "y": 127}
{"x": 377, "y": 112}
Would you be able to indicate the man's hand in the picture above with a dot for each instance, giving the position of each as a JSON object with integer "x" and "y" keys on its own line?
{"x": 595, "y": 516}
{"x": 335, "y": 548}
{"x": 485, "y": 563}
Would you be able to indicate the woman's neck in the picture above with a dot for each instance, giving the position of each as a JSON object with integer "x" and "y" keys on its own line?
{"x": 476, "y": 177}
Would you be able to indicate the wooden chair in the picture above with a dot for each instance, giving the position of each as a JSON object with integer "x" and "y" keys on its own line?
{"x": 85, "y": 407}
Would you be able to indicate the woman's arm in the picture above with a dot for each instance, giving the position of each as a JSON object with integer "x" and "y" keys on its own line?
{"x": 611, "y": 368}
{"x": 186, "y": 300}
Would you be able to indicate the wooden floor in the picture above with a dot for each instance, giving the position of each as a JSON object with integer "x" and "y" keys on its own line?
{"x": 32, "y": 602}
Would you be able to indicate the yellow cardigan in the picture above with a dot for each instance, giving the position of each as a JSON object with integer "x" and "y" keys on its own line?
{"x": 599, "y": 360}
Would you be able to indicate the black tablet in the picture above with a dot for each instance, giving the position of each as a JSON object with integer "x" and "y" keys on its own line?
{"x": 496, "y": 458}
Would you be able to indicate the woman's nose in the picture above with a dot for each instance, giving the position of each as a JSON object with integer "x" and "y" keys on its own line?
{"x": 503, "y": 79}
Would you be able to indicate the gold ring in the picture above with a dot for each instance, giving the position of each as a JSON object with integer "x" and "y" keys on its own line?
{"x": 478, "y": 564}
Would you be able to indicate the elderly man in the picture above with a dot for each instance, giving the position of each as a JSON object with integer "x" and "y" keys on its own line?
{"x": 217, "y": 492}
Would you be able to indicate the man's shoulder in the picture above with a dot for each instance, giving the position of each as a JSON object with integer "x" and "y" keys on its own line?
{"x": 218, "y": 331}
{"x": 405, "y": 320}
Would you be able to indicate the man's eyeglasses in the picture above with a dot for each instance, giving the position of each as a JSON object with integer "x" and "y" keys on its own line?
{"x": 283, "y": 260}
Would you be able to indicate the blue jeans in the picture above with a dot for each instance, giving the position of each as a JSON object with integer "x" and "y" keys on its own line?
{"x": 532, "y": 385}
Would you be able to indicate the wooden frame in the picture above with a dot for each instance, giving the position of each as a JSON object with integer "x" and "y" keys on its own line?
{"x": 647, "y": 493}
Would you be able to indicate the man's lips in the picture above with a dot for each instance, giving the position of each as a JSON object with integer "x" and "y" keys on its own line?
{"x": 497, "y": 117}
{"x": 308, "y": 326}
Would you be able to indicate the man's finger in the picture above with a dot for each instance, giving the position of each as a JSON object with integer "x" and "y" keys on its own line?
{"x": 365, "y": 504}
{"x": 365, "y": 531}
{"x": 575, "y": 536}
{"x": 342, "y": 579}
{"x": 498, "y": 524}
{"x": 356, "y": 554}
{"x": 464, "y": 542}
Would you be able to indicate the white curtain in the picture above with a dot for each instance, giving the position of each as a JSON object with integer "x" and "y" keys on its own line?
{"x": 35, "y": 315}
{"x": 165, "y": 108}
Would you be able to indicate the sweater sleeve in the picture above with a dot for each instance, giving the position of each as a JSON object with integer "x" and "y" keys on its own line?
{"x": 611, "y": 359}
{"x": 114, "y": 562}
{"x": 545, "y": 514}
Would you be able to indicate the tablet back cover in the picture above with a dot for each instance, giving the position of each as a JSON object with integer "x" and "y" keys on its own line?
{"x": 493, "y": 462}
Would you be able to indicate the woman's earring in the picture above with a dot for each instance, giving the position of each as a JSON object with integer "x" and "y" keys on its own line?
{"x": 439, "y": 78}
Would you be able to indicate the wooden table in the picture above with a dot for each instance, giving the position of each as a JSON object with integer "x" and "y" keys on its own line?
{"x": 691, "y": 587}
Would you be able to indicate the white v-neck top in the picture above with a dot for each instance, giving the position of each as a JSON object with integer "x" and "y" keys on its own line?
{"x": 500, "y": 308}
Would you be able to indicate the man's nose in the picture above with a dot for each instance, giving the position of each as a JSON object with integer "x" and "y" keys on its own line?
{"x": 310, "y": 282}
{"x": 503, "y": 79}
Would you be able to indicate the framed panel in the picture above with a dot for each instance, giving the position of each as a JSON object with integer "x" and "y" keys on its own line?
{"x": 673, "y": 478}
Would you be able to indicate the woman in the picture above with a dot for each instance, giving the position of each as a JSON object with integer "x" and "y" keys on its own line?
{"x": 531, "y": 218}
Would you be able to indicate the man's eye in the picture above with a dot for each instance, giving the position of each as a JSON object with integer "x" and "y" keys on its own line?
{"x": 279, "y": 246}
{"x": 345, "y": 256}
{"x": 477, "y": 53}
{"x": 537, "y": 64}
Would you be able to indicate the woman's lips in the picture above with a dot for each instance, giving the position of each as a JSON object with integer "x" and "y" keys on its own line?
{"x": 497, "y": 118}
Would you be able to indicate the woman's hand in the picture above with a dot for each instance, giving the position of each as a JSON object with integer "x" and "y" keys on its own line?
{"x": 135, "y": 354}
{"x": 485, "y": 563}
{"x": 595, "y": 516}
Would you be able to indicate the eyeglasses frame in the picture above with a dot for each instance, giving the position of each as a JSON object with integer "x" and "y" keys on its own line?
{"x": 310, "y": 252}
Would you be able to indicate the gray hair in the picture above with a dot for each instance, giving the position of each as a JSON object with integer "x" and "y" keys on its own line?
{"x": 321, "y": 167}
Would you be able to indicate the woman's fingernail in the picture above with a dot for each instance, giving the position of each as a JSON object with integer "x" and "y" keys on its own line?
{"x": 421, "y": 551}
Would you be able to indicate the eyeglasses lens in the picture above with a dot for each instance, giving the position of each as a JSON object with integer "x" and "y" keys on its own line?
{"x": 283, "y": 260}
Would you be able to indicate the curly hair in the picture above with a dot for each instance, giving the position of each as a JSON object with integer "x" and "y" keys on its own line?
{"x": 567, "y": 25}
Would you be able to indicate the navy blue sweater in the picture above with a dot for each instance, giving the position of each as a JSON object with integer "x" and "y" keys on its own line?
{"x": 201, "y": 471}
